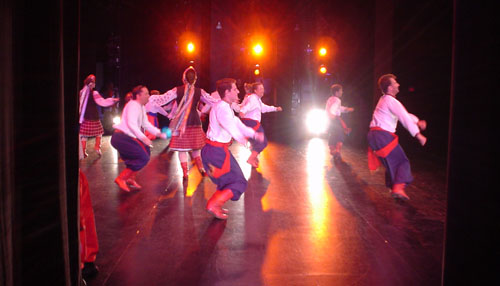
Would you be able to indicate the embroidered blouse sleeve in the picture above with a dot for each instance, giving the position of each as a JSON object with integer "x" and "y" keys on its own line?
{"x": 104, "y": 102}
{"x": 209, "y": 99}
{"x": 162, "y": 99}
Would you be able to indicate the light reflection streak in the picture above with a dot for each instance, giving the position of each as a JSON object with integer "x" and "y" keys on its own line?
{"x": 241, "y": 154}
{"x": 194, "y": 180}
{"x": 319, "y": 195}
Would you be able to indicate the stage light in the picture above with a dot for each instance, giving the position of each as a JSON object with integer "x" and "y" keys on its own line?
{"x": 256, "y": 71}
{"x": 317, "y": 121}
{"x": 322, "y": 69}
{"x": 322, "y": 52}
{"x": 258, "y": 49}
{"x": 116, "y": 120}
{"x": 190, "y": 47}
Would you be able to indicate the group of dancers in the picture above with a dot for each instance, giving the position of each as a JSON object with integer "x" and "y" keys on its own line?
{"x": 133, "y": 136}
{"x": 384, "y": 147}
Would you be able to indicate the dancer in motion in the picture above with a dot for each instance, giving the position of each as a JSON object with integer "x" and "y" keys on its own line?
{"x": 251, "y": 111}
{"x": 90, "y": 125}
{"x": 152, "y": 110}
{"x": 187, "y": 132}
{"x": 128, "y": 138}
{"x": 221, "y": 166}
{"x": 338, "y": 128}
{"x": 383, "y": 142}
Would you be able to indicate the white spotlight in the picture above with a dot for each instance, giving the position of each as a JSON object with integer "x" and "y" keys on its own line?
{"x": 116, "y": 120}
{"x": 317, "y": 121}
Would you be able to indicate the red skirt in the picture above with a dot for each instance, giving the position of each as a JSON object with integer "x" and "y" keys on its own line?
{"x": 91, "y": 128}
{"x": 192, "y": 139}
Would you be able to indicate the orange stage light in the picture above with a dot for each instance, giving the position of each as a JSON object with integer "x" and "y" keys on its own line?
{"x": 258, "y": 49}
{"x": 322, "y": 52}
{"x": 256, "y": 71}
{"x": 322, "y": 69}
{"x": 190, "y": 47}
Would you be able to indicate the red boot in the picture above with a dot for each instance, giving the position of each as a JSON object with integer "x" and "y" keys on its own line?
{"x": 199, "y": 164}
{"x": 97, "y": 146}
{"x": 214, "y": 204}
{"x": 121, "y": 180}
{"x": 131, "y": 181}
{"x": 184, "y": 166}
{"x": 398, "y": 192}
{"x": 84, "y": 148}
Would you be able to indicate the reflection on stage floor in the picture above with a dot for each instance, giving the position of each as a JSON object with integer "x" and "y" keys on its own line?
{"x": 304, "y": 220}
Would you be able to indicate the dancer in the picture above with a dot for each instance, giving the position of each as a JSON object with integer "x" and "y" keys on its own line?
{"x": 382, "y": 141}
{"x": 90, "y": 125}
{"x": 222, "y": 167}
{"x": 338, "y": 128}
{"x": 128, "y": 138}
{"x": 187, "y": 132}
{"x": 152, "y": 110}
{"x": 251, "y": 112}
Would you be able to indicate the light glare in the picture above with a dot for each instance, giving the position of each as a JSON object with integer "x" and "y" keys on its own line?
{"x": 257, "y": 49}
{"x": 322, "y": 52}
{"x": 190, "y": 47}
{"x": 317, "y": 121}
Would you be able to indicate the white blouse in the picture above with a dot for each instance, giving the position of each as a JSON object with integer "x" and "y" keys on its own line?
{"x": 334, "y": 107}
{"x": 387, "y": 113}
{"x": 224, "y": 125}
{"x": 133, "y": 119}
{"x": 253, "y": 107}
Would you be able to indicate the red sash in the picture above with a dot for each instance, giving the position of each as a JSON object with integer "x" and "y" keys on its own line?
{"x": 373, "y": 161}
{"x": 226, "y": 166}
{"x": 256, "y": 127}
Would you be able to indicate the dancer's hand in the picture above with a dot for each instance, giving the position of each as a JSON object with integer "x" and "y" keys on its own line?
{"x": 279, "y": 108}
{"x": 421, "y": 138}
{"x": 259, "y": 136}
{"x": 146, "y": 141}
{"x": 422, "y": 124}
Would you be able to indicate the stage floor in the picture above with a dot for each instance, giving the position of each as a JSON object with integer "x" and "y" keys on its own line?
{"x": 304, "y": 220}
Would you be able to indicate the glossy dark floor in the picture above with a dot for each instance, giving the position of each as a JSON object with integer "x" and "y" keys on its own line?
{"x": 304, "y": 220}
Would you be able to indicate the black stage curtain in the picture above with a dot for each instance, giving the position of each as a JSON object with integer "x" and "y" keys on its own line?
{"x": 472, "y": 227}
{"x": 39, "y": 151}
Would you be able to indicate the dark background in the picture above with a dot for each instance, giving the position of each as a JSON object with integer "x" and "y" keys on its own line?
{"x": 151, "y": 52}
